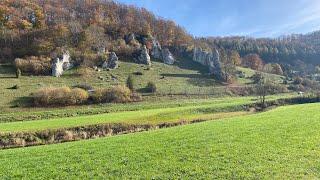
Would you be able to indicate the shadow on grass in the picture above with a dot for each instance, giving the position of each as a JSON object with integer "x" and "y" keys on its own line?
{"x": 7, "y": 71}
{"x": 143, "y": 90}
{"x": 200, "y": 80}
{"x": 187, "y": 63}
{"x": 21, "y": 102}
{"x": 8, "y": 77}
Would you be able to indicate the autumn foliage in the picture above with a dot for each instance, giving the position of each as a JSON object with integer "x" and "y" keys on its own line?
{"x": 39, "y": 27}
{"x": 252, "y": 61}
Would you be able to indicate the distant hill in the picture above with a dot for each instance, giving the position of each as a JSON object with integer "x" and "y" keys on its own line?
{"x": 293, "y": 49}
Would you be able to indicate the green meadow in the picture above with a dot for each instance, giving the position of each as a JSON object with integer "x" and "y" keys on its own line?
{"x": 281, "y": 143}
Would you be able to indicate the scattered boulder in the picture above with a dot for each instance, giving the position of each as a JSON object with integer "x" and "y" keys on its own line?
{"x": 61, "y": 64}
{"x": 210, "y": 59}
{"x": 144, "y": 57}
{"x": 112, "y": 62}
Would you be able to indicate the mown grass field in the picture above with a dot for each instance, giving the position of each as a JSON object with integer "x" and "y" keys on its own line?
{"x": 152, "y": 102}
{"x": 279, "y": 144}
{"x": 206, "y": 111}
{"x": 140, "y": 113}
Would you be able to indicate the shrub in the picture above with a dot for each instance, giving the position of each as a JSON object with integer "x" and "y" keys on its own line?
{"x": 78, "y": 96}
{"x": 34, "y": 65}
{"x": 99, "y": 96}
{"x": 116, "y": 94}
{"x": 151, "y": 87}
{"x": 59, "y": 96}
{"x": 130, "y": 83}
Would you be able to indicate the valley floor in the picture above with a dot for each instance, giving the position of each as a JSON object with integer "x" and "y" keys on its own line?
{"x": 281, "y": 143}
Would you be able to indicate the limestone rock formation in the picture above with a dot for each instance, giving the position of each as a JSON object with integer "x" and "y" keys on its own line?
{"x": 162, "y": 54}
{"x": 167, "y": 57}
{"x": 144, "y": 57}
{"x": 156, "y": 49}
{"x": 66, "y": 61}
{"x": 112, "y": 62}
{"x": 61, "y": 64}
{"x": 210, "y": 59}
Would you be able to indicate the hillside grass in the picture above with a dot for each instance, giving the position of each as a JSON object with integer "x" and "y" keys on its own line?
{"x": 282, "y": 143}
{"x": 250, "y": 72}
{"x": 184, "y": 77}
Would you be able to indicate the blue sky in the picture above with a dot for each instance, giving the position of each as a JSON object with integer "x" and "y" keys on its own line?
{"x": 257, "y": 18}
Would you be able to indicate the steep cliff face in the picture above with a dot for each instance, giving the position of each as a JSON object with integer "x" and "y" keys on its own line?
{"x": 210, "y": 59}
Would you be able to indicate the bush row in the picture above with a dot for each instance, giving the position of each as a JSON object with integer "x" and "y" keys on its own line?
{"x": 117, "y": 94}
{"x": 34, "y": 65}
{"x": 66, "y": 96}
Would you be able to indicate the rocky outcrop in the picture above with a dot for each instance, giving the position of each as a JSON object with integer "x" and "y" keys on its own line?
{"x": 66, "y": 61}
{"x": 143, "y": 57}
{"x": 156, "y": 49}
{"x": 112, "y": 62}
{"x": 167, "y": 57}
{"x": 210, "y": 59}
{"x": 162, "y": 54}
{"x": 61, "y": 64}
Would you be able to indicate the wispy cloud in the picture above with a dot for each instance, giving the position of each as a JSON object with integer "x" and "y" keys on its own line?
{"x": 309, "y": 13}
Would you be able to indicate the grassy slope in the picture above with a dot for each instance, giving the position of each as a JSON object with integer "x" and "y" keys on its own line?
{"x": 183, "y": 77}
{"x": 249, "y": 72}
{"x": 178, "y": 78}
{"x": 282, "y": 143}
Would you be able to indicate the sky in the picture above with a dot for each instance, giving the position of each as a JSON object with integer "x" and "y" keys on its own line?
{"x": 256, "y": 18}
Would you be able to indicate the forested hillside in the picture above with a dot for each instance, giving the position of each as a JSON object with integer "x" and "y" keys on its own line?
{"x": 40, "y": 27}
{"x": 295, "y": 50}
